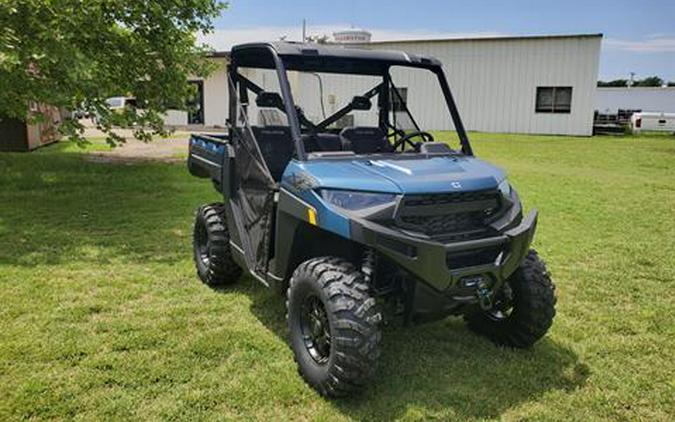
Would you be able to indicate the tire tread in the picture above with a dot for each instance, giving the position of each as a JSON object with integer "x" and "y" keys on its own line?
{"x": 222, "y": 269}
{"x": 356, "y": 315}
{"x": 534, "y": 307}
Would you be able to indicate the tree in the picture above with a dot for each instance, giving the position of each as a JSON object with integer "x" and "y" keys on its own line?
{"x": 614, "y": 83}
{"x": 649, "y": 81}
{"x": 671, "y": 83}
{"x": 75, "y": 54}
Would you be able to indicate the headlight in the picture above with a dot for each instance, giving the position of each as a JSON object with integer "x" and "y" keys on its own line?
{"x": 351, "y": 200}
{"x": 505, "y": 188}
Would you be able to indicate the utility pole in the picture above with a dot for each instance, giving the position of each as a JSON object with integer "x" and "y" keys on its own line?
{"x": 304, "y": 30}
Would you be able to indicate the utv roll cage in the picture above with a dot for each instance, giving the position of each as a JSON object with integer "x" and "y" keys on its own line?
{"x": 288, "y": 56}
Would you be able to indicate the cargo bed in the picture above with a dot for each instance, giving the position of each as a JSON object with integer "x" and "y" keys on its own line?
{"x": 207, "y": 156}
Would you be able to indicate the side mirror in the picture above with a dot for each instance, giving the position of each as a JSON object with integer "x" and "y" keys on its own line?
{"x": 269, "y": 99}
{"x": 361, "y": 103}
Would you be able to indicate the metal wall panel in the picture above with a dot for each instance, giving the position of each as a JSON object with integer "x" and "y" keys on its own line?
{"x": 637, "y": 98}
{"x": 216, "y": 94}
{"x": 494, "y": 81}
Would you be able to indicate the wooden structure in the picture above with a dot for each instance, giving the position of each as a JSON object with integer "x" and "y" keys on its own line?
{"x": 21, "y": 136}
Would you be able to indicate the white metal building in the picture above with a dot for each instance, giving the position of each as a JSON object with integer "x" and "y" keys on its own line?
{"x": 496, "y": 81}
{"x": 212, "y": 102}
{"x": 529, "y": 84}
{"x": 656, "y": 99}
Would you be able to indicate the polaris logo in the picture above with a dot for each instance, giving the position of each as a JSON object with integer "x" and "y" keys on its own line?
{"x": 456, "y": 185}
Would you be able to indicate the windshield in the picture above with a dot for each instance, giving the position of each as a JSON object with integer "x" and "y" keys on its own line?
{"x": 321, "y": 95}
{"x": 414, "y": 103}
{"x": 418, "y": 103}
{"x": 403, "y": 111}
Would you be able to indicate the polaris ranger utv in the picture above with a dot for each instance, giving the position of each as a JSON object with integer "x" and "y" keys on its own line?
{"x": 334, "y": 193}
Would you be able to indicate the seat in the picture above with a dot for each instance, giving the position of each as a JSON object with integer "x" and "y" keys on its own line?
{"x": 276, "y": 147}
{"x": 322, "y": 142}
{"x": 364, "y": 140}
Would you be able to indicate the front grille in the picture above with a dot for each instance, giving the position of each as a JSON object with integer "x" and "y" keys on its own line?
{"x": 450, "y": 216}
{"x": 443, "y": 224}
{"x": 450, "y": 198}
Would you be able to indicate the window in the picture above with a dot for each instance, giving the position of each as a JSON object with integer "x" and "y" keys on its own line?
{"x": 195, "y": 103}
{"x": 555, "y": 99}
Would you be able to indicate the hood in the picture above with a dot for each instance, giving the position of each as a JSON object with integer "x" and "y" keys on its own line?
{"x": 409, "y": 175}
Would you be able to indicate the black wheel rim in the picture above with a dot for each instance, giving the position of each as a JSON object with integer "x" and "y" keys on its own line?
{"x": 502, "y": 309}
{"x": 202, "y": 244}
{"x": 498, "y": 314}
{"x": 315, "y": 328}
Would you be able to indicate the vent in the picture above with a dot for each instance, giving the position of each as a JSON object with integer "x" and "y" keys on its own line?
{"x": 450, "y": 216}
{"x": 472, "y": 258}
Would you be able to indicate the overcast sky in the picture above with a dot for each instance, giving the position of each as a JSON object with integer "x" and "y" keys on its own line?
{"x": 639, "y": 36}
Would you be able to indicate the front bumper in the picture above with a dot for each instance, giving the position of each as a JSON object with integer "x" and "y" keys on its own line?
{"x": 450, "y": 272}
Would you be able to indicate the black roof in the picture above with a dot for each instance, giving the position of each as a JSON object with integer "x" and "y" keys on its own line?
{"x": 327, "y": 58}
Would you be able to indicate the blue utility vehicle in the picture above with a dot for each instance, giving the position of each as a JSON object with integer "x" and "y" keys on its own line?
{"x": 336, "y": 194}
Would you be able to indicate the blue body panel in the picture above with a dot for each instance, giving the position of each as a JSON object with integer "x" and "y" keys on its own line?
{"x": 398, "y": 176}
{"x": 297, "y": 180}
{"x": 328, "y": 218}
{"x": 419, "y": 175}
{"x": 207, "y": 144}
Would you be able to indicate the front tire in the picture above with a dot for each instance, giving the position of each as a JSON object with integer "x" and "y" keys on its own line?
{"x": 334, "y": 326}
{"x": 211, "y": 247}
{"x": 530, "y": 310}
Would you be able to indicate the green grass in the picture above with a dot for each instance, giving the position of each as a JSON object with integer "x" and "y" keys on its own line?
{"x": 94, "y": 144}
{"x": 102, "y": 316}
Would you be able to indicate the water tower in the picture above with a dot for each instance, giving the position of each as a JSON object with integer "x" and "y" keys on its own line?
{"x": 352, "y": 36}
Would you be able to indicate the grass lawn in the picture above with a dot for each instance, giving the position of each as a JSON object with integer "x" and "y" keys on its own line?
{"x": 103, "y": 317}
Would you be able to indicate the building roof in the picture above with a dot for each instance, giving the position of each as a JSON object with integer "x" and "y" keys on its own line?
{"x": 293, "y": 47}
{"x": 491, "y": 38}
{"x": 669, "y": 89}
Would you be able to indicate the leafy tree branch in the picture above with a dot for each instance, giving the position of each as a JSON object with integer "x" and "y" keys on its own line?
{"x": 74, "y": 54}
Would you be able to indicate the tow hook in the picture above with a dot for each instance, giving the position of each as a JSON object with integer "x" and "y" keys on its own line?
{"x": 484, "y": 296}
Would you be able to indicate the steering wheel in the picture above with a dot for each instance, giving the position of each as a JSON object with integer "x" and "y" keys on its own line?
{"x": 406, "y": 139}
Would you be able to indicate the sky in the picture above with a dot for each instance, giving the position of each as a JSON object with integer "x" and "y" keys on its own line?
{"x": 639, "y": 36}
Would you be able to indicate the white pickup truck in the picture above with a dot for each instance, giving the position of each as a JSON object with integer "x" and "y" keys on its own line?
{"x": 661, "y": 122}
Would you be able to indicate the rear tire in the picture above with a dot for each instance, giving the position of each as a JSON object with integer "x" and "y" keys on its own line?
{"x": 532, "y": 311}
{"x": 334, "y": 326}
{"x": 211, "y": 247}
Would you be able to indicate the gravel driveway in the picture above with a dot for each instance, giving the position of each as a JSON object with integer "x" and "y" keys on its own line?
{"x": 172, "y": 148}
